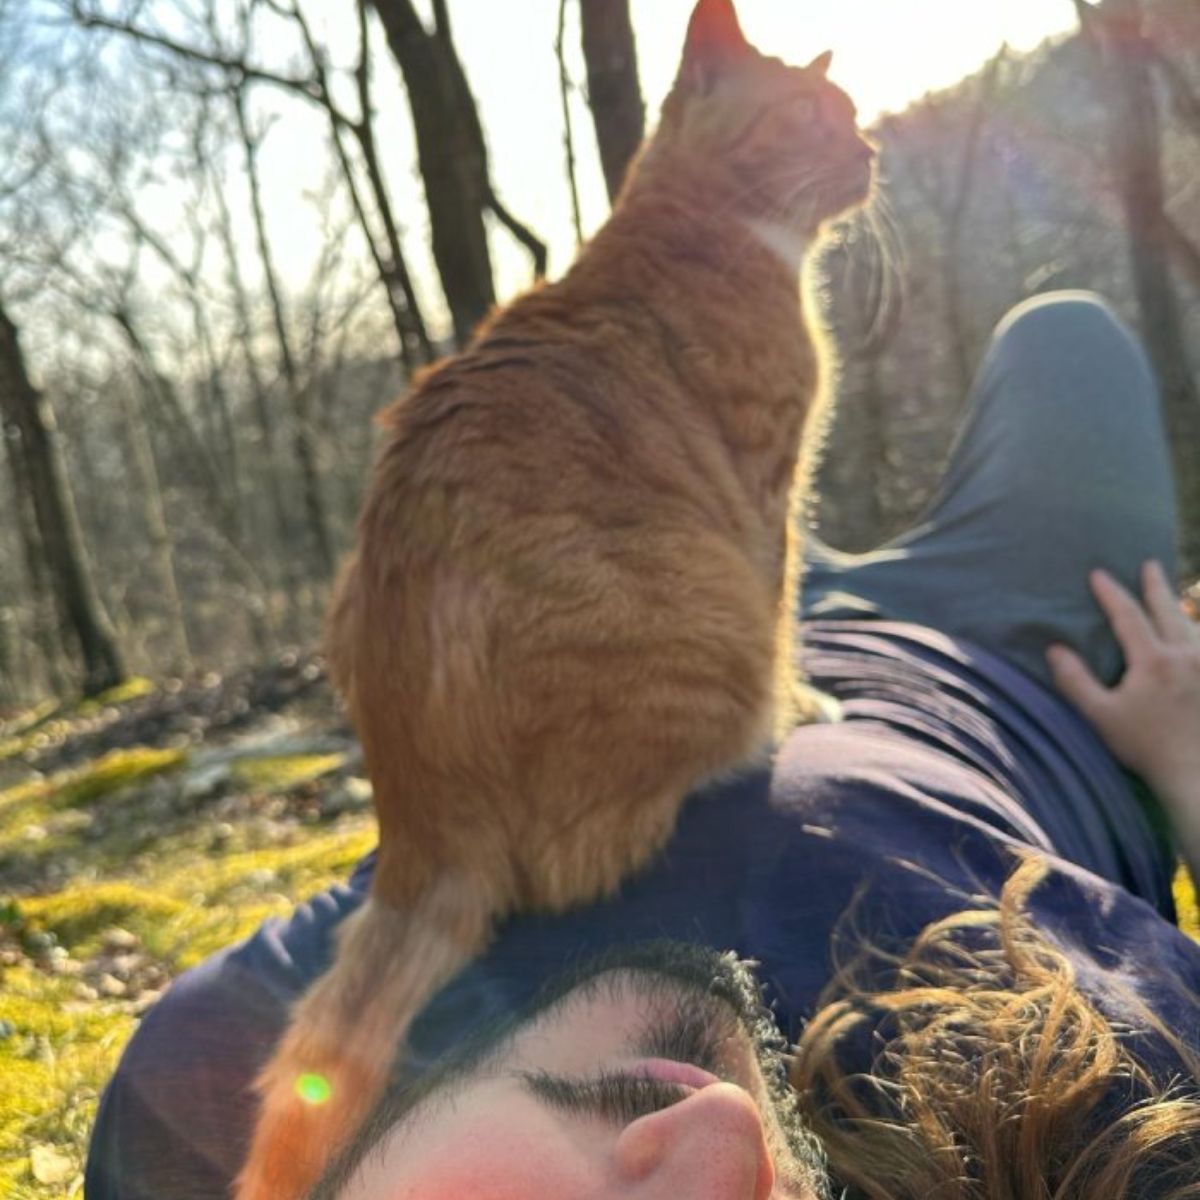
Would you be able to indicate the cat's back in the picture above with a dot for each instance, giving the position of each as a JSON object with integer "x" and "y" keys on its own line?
{"x": 556, "y": 409}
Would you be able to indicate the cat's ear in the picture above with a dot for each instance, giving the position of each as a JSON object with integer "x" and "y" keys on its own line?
{"x": 714, "y": 42}
{"x": 820, "y": 65}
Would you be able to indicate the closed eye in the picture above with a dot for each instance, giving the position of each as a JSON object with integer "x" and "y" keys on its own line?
{"x": 613, "y": 1096}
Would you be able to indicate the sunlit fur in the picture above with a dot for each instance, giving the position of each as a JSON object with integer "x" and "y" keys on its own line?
{"x": 994, "y": 1076}
{"x": 572, "y": 592}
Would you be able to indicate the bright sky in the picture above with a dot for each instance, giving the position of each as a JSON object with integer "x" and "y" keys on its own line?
{"x": 886, "y": 53}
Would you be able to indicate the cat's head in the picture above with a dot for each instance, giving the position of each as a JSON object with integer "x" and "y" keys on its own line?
{"x": 763, "y": 140}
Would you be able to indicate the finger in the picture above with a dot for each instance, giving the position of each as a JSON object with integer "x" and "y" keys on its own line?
{"x": 1074, "y": 679}
{"x": 1129, "y": 622}
{"x": 1164, "y": 606}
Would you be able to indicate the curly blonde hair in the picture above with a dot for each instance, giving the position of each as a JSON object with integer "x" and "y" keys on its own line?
{"x": 994, "y": 1077}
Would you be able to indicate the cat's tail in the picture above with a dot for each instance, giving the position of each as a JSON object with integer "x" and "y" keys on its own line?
{"x": 336, "y": 1056}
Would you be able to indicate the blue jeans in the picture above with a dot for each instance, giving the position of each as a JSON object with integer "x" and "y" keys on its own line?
{"x": 1061, "y": 465}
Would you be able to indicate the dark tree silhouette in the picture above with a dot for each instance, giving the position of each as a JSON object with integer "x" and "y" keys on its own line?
{"x": 452, "y": 155}
{"x": 29, "y": 423}
{"x": 1123, "y": 59}
{"x": 614, "y": 94}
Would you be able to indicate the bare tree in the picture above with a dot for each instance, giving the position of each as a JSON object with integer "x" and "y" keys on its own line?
{"x": 1123, "y": 60}
{"x": 415, "y": 346}
{"x": 45, "y": 632}
{"x": 236, "y": 66}
{"x": 948, "y": 190}
{"x": 298, "y": 389}
{"x": 453, "y": 159}
{"x": 29, "y": 421}
{"x": 614, "y": 94}
{"x": 959, "y": 205}
{"x": 564, "y": 92}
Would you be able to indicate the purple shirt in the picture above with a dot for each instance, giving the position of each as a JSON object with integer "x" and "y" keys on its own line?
{"x": 948, "y": 763}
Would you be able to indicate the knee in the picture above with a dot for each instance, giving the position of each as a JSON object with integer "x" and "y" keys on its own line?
{"x": 1069, "y": 326}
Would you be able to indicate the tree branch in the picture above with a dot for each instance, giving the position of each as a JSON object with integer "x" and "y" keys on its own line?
{"x": 564, "y": 89}
{"x": 239, "y": 71}
{"x": 522, "y": 233}
{"x": 441, "y": 20}
{"x": 365, "y": 132}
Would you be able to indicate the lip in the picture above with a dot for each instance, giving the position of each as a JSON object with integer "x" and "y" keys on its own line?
{"x": 667, "y": 1070}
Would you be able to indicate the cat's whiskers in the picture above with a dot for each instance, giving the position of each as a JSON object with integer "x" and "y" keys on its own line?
{"x": 883, "y": 295}
{"x": 891, "y": 245}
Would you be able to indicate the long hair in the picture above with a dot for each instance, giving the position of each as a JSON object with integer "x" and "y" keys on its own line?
{"x": 993, "y": 1076}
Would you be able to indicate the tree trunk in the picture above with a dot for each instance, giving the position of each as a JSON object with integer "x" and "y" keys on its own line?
{"x": 277, "y": 531}
{"x": 1123, "y": 61}
{"x": 29, "y": 420}
{"x": 452, "y": 157}
{"x": 298, "y": 390}
{"x": 41, "y": 620}
{"x": 161, "y": 545}
{"x": 614, "y": 94}
{"x": 961, "y": 342}
{"x": 227, "y": 514}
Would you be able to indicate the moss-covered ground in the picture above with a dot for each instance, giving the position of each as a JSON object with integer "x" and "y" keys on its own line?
{"x": 138, "y": 834}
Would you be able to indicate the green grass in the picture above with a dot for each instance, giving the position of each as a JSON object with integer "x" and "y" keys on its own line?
{"x": 132, "y": 688}
{"x": 54, "y": 1060}
{"x": 21, "y": 733}
{"x": 110, "y": 773}
{"x": 278, "y": 773}
{"x": 60, "y": 1050}
{"x": 117, "y": 844}
{"x": 1187, "y": 904}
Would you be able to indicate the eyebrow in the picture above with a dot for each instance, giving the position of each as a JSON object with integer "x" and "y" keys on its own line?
{"x": 690, "y": 1033}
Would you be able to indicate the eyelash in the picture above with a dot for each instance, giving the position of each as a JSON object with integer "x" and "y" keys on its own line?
{"x": 614, "y": 1097}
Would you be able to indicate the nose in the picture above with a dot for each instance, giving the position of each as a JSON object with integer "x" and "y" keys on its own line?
{"x": 710, "y": 1146}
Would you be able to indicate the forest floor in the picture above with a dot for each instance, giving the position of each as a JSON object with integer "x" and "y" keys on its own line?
{"x": 140, "y": 832}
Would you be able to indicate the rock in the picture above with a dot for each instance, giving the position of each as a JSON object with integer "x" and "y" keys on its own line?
{"x": 110, "y": 985}
{"x": 85, "y": 991}
{"x": 222, "y": 832}
{"x": 125, "y": 966}
{"x": 50, "y": 1166}
{"x": 352, "y": 795}
{"x": 40, "y": 942}
{"x": 118, "y": 939}
{"x": 206, "y": 782}
{"x": 157, "y": 805}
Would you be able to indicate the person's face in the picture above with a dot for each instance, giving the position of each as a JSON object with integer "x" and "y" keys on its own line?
{"x": 632, "y": 1084}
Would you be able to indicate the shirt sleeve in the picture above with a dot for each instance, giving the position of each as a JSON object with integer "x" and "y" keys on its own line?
{"x": 175, "y": 1119}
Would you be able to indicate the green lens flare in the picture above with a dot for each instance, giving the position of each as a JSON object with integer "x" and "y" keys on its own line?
{"x": 313, "y": 1089}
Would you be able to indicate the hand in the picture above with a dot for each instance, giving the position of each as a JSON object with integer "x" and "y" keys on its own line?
{"x": 1151, "y": 719}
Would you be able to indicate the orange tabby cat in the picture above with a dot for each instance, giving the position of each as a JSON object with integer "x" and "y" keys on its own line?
{"x": 572, "y": 593}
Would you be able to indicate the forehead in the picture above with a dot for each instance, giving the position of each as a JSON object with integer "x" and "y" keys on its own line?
{"x": 772, "y": 79}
